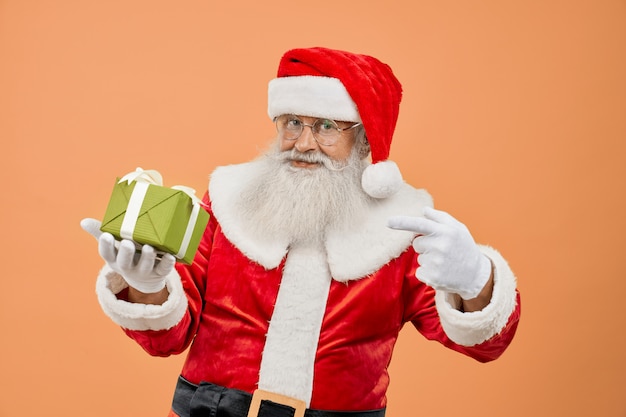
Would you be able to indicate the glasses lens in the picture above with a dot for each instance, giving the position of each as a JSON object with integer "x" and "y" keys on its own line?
{"x": 289, "y": 126}
{"x": 326, "y": 131}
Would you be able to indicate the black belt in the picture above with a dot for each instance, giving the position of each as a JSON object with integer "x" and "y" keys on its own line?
{"x": 206, "y": 399}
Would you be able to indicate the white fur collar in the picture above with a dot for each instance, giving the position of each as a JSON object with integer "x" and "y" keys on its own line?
{"x": 352, "y": 253}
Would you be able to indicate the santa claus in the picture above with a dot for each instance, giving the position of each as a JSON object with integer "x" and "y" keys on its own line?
{"x": 315, "y": 256}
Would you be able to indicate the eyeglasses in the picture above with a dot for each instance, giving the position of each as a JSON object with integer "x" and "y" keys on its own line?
{"x": 325, "y": 131}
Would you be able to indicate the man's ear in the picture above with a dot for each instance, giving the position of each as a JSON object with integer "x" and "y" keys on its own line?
{"x": 362, "y": 143}
{"x": 364, "y": 147}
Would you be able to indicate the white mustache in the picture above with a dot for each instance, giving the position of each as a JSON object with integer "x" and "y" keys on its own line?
{"x": 311, "y": 158}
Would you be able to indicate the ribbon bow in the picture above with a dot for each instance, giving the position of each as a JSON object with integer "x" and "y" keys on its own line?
{"x": 152, "y": 176}
{"x": 149, "y": 175}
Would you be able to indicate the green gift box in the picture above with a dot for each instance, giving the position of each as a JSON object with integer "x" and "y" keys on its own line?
{"x": 169, "y": 219}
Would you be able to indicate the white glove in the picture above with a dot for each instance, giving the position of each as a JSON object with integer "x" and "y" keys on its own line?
{"x": 142, "y": 271}
{"x": 449, "y": 259}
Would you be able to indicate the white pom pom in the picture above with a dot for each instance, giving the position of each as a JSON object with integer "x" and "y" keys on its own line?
{"x": 382, "y": 179}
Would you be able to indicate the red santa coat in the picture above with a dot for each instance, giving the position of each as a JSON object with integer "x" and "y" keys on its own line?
{"x": 331, "y": 347}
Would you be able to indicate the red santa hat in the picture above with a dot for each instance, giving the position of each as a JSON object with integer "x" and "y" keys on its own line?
{"x": 344, "y": 86}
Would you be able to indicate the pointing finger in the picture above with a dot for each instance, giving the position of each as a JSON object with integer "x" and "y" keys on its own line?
{"x": 418, "y": 225}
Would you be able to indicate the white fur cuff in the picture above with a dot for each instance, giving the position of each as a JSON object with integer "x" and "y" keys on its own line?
{"x": 469, "y": 329}
{"x": 134, "y": 316}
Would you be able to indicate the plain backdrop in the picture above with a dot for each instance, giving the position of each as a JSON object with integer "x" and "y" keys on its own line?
{"x": 514, "y": 118}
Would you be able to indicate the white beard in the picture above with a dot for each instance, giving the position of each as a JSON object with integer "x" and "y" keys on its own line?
{"x": 301, "y": 204}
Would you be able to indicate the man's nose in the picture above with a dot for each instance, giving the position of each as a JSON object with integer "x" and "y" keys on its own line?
{"x": 306, "y": 141}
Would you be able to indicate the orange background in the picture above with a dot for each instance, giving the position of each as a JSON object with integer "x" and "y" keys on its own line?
{"x": 513, "y": 118}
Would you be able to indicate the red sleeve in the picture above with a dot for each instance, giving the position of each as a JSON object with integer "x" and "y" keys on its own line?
{"x": 421, "y": 311}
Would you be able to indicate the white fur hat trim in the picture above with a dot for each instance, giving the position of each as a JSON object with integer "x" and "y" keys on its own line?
{"x": 313, "y": 96}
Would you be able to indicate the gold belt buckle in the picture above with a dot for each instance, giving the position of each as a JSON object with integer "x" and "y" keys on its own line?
{"x": 259, "y": 395}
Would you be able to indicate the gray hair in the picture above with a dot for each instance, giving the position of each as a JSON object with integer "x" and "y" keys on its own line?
{"x": 361, "y": 144}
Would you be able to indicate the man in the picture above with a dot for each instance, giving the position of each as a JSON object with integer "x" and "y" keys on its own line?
{"x": 313, "y": 259}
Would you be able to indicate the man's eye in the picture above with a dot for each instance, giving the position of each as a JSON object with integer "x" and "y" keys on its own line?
{"x": 293, "y": 122}
{"x": 326, "y": 125}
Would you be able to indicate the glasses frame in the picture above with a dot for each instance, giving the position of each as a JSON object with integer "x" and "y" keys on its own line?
{"x": 323, "y": 143}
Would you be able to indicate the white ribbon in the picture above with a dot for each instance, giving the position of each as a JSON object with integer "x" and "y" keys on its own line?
{"x": 189, "y": 191}
{"x": 193, "y": 218}
{"x": 143, "y": 179}
{"x": 133, "y": 209}
{"x": 149, "y": 175}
